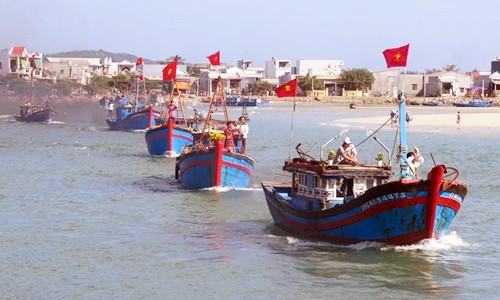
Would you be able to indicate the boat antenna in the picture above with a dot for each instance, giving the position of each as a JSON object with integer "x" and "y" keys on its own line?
{"x": 432, "y": 156}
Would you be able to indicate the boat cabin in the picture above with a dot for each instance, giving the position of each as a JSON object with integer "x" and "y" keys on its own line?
{"x": 317, "y": 186}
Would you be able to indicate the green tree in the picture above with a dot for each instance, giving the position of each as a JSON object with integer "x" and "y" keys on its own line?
{"x": 305, "y": 83}
{"x": 260, "y": 87}
{"x": 357, "y": 79}
{"x": 122, "y": 82}
{"x": 99, "y": 85}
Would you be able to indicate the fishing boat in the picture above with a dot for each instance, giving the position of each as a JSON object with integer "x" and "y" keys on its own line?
{"x": 348, "y": 204}
{"x": 35, "y": 113}
{"x": 132, "y": 117}
{"x": 258, "y": 102}
{"x": 474, "y": 103}
{"x": 169, "y": 138}
{"x": 207, "y": 163}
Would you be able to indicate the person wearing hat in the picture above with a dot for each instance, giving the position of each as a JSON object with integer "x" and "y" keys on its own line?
{"x": 413, "y": 161}
{"x": 347, "y": 153}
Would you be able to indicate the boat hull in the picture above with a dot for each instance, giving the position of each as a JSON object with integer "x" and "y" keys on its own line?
{"x": 138, "y": 120}
{"x": 204, "y": 169}
{"x": 45, "y": 115}
{"x": 168, "y": 140}
{"x": 398, "y": 212}
{"x": 475, "y": 104}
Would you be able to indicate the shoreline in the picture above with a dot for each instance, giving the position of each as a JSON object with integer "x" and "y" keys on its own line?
{"x": 443, "y": 116}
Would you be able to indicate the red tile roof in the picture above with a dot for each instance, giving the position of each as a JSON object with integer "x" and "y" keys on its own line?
{"x": 18, "y": 50}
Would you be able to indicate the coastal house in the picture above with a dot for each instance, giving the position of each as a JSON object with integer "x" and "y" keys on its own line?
{"x": 326, "y": 71}
{"x": 251, "y": 74}
{"x": 481, "y": 81}
{"x": 232, "y": 78}
{"x": 24, "y": 63}
{"x": 275, "y": 68}
{"x": 389, "y": 82}
{"x": 447, "y": 84}
{"x": 74, "y": 68}
{"x": 495, "y": 83}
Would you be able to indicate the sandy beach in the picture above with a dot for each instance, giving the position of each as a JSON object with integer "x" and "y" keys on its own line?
{"x": 440, "y": 117}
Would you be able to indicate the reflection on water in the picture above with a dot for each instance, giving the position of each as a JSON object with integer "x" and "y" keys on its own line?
{"x": 432, "y": 267}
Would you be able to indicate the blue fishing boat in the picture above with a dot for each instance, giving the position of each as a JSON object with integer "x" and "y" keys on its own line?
{"x": 35, "y": 113}
{"x": 474, "y": 103}
{"x": 202, "y": 167}
{"x": 347, "y": 204}
{"x": 168, "y": 139}
{"x": 130, "y": 117}
{"x": 259, "y": 102}
{"x": 208, "y": 163}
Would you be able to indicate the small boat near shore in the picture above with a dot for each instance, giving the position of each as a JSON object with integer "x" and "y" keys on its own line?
{"x": 474, "y": 103}
{"x": 35, "y": 113}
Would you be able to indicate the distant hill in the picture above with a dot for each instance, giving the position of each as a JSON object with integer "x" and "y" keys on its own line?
{"x": 117, "y": 57}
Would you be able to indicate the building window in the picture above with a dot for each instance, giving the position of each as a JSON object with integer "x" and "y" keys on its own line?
{"x": 61, "y": 72}
{"x": 462, "y": 90}
{"x": 414, "y": 87}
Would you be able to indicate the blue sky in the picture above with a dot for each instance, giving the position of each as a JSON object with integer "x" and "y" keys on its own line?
{"x": 440, "y": 32}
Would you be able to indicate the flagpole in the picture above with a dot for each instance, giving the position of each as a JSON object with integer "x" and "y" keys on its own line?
{"x": 291, "y": 130}
{"x": 291, "y": 127}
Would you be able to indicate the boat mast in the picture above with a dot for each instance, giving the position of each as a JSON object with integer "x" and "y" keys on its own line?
{"x": 403, "y": 147}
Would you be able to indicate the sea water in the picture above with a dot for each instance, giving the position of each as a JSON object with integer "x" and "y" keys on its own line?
{"x": 86, "y": 213}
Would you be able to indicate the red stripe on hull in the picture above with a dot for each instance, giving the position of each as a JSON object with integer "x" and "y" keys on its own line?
{"x": 365, "y": 214}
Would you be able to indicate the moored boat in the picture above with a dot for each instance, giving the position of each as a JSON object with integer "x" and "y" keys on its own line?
{"x": 474, "y": 103}
{"x": 348, "y": 204}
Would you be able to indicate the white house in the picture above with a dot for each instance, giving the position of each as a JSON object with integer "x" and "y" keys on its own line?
{"x": 275, "y": 68}
{"x": 319, "y": 68}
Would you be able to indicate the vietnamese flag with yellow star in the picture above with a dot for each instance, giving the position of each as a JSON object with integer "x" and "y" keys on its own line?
{"x": 214, "y": 58}
{"x": 396, "y": 57}
{"x": 169, "y": 72}
{"x": 288, "y": 89}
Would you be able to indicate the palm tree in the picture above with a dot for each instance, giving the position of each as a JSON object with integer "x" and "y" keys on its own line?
{"x": 177, "y": 57}
{"x": 451, "y": 68}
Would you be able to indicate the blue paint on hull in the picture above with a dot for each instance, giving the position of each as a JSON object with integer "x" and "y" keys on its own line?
{"x": 197, "y": 170}
{"x": 158, "y": 142}
{"x": 383, "y": 222}
{"x": 138, "y": 120}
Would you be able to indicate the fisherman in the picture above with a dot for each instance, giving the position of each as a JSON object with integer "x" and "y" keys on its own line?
{"x": 413, "y": 160}
{"x": 394, "y": 116}
{"x": 347, "y": 153}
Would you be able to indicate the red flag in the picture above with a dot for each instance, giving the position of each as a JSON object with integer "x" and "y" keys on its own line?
{"x": 288, "y": 89}
{"x": 141, "y": 78}
{"x": 396, "y": 57}
{"x": 139, "y": 61}
{"x": 169, "y": 72}
{"x": 214, "y": 58}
